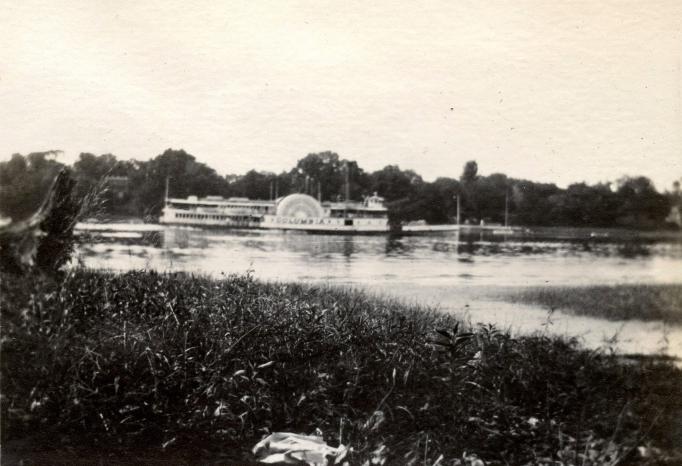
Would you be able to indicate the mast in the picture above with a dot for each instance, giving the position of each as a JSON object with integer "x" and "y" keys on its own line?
{"x": 457, "y": 197}
{"x": 347, "y": 193}
{"x": 347, "y": 183}
{"x": 506, "y": 209}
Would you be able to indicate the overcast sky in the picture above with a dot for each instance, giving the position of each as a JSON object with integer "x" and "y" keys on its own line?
{"x": 546, "y": 90}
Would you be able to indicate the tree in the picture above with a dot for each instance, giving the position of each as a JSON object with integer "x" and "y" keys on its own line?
{"x": 94, "y": 167}
{"x": 470, "y": 172}
{"x": 328, "y": 173}
{"x": 254, "y": 185}
{"x": 634, "y": 202}
{"x": 530, "y": 202}
{"x": 449, "y": 190}
{"x": 470, "y": 208}
{"x": 359, "y": 182}
{"x": 582, "y": 205}
{"x": 324, "y": 170}
{"x": 639, "y": 204}
{"x": 91, "y": 172}
{"x": 395, "y": 184}
{"x": 24, "y": 182}
{"x": 186, "y": 177}
{"x": 491, "y": 195}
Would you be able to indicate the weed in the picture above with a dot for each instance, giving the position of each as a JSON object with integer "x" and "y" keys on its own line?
{"x": 615, "y": 302}
{"x": 174, "y": 363}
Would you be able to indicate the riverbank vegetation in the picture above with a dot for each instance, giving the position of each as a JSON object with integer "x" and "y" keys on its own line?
{"x": 137, "y": 188}
{"x": 615, "y": 302}
{"x": 193, "y": 370}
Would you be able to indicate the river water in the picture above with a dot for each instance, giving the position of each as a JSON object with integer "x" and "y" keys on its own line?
{"x": 456, "y": 273}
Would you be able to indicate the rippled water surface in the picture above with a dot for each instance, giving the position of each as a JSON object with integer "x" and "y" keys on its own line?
{"x": 453, "y": 271}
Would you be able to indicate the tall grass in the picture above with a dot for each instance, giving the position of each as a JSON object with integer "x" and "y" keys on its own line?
{"x": 615, "y": 302}
{"x": 184, "y": 365}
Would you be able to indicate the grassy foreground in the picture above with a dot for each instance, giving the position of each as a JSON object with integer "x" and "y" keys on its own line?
{"x": 615, "y": 302}
{"x": 188, "y": 370}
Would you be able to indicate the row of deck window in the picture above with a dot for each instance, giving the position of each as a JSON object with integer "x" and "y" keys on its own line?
{"x": 254, "y": 208}
{"x": 200, "y": 216}
{"x": 357, "y": 214}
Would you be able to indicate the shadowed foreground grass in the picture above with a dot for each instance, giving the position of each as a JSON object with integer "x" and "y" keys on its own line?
{"x": 161, "y": 369}
{"x": 615, "y": 302}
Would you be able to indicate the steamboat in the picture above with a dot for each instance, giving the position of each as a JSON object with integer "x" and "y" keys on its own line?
{"x": 300, "y": 212}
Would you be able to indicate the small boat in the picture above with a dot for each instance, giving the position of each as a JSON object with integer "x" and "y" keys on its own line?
{"x": 504, "y": 231}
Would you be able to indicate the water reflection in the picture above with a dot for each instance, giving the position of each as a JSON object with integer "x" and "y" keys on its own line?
{"x": 447, "y": 259}
{"x": 631, "y": 250}
{"x": 397, "y": 246}
{"x": 393, "y": 245}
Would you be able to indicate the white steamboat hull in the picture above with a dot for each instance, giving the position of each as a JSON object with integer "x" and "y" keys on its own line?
{"x": 326, "y": 224}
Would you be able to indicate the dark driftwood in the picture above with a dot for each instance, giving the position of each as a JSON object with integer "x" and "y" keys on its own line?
{"x": 30, "y": 224}
{"x": 20, "y": 240}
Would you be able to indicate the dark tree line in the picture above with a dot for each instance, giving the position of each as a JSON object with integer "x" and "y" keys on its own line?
{"x": 137, "y": 188}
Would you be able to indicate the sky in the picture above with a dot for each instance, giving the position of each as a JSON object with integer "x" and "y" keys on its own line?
{"x": 552, "y": 91}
